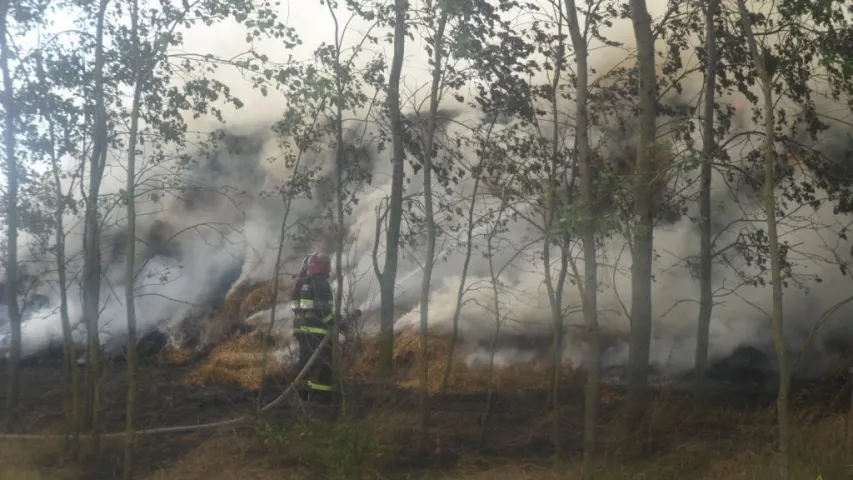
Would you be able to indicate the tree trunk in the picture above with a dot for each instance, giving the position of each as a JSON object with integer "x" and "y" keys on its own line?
{"x": 429, "y": 260}
{"x": 555, "y": 293}
{"x": 388, "y": 280}
{"x": 12, "y": 286}
{"x": 339, "y": 203}
{"x": 643, "y": 234}
{"x": 287, "y": 201}
{"x": 130, "y": 249}
{"x": 782, "y": 402}
{"x": 849, "y": 439}
{"x": 709, "y": 146}
{"x": 590, "y": 284}
{"x": 91, "y": 242}
{"x": 553, "y": 229}
{"x": 72, "y": 372}
{"x": 340, "y": 230}
{"x": 776, "y": 275}
{"x": 496, "y": 304}
{"x": 460, "y": 294}
{"x": 71, "y": 376}
{"x": 490, "y": 371}
{"x": 276, "y": 273}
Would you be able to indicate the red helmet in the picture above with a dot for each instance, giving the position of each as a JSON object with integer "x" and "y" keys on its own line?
{"x": 317, "y": 263}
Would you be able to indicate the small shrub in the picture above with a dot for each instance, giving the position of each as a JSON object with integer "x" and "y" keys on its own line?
{"x": 338, "y": 450}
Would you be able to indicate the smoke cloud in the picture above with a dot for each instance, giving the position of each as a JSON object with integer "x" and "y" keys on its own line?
{"x": 221, "y": 229}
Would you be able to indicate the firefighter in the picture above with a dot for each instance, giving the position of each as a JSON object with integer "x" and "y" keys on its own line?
{"x": 313, "y": 315}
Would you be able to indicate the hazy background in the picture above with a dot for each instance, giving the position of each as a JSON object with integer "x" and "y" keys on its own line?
{"x": 224, "y": 239}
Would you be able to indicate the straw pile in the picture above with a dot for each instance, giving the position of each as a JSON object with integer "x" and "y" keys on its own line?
{"x": 237, "y": 362}
{"x": 236, "y": 296}
{"x": 249, "y": 298}
{"x": 463, "y": 379}
{"x": 839, "y": 368}
{"x": 176, "y": 356}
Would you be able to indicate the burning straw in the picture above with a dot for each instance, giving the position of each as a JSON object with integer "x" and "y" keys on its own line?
{"x": 249, "y": 298}
{"x": 463, "y": 379}
{"x": 237, "y": 362}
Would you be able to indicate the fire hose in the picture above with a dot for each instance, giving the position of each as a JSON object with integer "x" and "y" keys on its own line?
{"x": 192, "y": 428}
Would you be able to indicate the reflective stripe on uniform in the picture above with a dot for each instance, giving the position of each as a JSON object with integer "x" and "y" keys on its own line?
{"x": 309, "y": 305}
{"x": 315, "y": 330}
{"x": 303, "y": 304}
{"x": 319, "y": 386}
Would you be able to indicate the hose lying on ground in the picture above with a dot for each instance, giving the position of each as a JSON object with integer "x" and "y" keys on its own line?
{"x": 190, "y": 428}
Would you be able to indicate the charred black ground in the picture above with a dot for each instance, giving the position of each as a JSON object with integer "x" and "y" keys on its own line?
{"x": 165, "y": 401}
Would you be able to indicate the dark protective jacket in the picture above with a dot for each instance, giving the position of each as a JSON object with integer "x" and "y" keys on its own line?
{"x": 313, "y": 312}
{"x": 313, "y": 304}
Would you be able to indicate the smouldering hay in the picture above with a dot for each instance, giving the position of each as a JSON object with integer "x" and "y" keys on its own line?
{"x": 611, "y": 395}
{"x": 175, "y": 355}
{"x": 218, "y": 328}
{"x": 839, "y": 368}
{"x": 236, "y": 298}
{"x": 463, "y": 379}
{"x": 237, "y": 362}
{"x": 257, "y": 300}
{"x": 248, "y": 299}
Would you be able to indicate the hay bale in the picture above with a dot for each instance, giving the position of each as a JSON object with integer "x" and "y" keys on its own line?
{"x": 248, "y": 378}
{"x": 249, "y": 298}
{"x": 462, "y": 379}
{"x": 237, "y": 362}
{"x": 236, "y": 296}
{"x": 257, "y": 300}
{"x": 176, "y": 356}
{"x": 217, "y": 329}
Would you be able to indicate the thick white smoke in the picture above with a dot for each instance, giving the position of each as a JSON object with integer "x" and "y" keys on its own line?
{"x": 222, "y": 239}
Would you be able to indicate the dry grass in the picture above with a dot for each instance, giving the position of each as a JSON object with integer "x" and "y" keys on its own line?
{"x": 818, "y": 450}
{"x": 230, "y": 457}
{"x": 683, "y": 451}
{"x": 711, "y": 443}
{"x": 236, "y": 362}
{"x": 34, "y": 461}
{"x": 45, "y": 459}
{"x": 689, "y": 441}
{"x": 225, "y": 456}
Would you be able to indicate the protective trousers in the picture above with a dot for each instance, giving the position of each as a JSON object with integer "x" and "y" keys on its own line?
{"x": 310, "y": 332}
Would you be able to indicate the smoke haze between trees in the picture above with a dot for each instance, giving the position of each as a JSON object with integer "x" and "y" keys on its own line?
{"x": 223, "y": 232}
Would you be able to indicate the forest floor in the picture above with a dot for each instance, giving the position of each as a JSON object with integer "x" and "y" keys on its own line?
{"x": 729, "y": 436}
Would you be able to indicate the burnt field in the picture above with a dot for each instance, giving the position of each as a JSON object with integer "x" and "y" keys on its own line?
{"x": 730, "y": 435}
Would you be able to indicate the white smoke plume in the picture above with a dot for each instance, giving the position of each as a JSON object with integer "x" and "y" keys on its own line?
{"x": 223, "y": 239}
